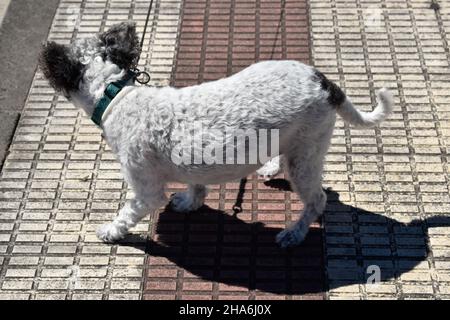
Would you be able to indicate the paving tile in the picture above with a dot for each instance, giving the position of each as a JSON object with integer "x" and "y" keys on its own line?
{"x": 60, "y": 180}
{"x": 396, "y": 175}
{"x": 212, "y": 254}
{"x": 390, "y": 200}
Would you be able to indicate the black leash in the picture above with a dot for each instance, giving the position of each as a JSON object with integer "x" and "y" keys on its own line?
{"x": 237, "y": 207}
{"x": 146, "y": 22}
{"x": 142, "y": 76}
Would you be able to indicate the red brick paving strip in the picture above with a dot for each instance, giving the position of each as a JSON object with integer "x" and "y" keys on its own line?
{"x": 211, "y": 254}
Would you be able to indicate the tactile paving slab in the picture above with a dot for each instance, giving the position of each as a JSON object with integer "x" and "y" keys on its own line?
{"x": 390, "y": 206}
{"x": 389, "y": 202}
{"x": 60, "y": 180}
{"x": 213, "y": 253}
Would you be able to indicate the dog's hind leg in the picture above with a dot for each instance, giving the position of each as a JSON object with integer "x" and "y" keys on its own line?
{"x": 149, "y": 196}
{"x": 305, "y": 166}
{"x": 190, "y": 200}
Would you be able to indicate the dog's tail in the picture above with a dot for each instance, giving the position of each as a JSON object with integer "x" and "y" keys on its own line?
{"x": 346, "y": 109}
{"x": 367, "y": 119}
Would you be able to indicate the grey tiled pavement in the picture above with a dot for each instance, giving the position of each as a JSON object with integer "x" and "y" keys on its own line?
{"x": 60, "y": 180}
{"x": 398, "y": 172}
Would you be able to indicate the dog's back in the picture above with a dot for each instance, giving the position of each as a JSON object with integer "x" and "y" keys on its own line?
{"x": 287, "y": 96}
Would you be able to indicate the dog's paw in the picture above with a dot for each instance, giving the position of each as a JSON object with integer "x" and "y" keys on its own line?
{"x": 182, "y": 202}
{"x": 110, "y": 232}
{"x": 292, "y": 236}
{"x": 270, "y": 169}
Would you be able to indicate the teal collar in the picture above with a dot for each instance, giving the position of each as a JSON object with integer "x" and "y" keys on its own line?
{"x": 110, "y": 93}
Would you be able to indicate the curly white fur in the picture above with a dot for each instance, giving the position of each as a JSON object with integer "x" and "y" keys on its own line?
{"x": 267, "y": 95}
{"x": 285, "y": 95}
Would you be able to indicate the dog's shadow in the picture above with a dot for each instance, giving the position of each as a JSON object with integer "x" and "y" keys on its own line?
{"x": 219, "y": 247}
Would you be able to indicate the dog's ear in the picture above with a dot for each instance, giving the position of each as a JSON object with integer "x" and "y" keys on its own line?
{"x": 122, "y": 44}
{"x": 61, "y": 70}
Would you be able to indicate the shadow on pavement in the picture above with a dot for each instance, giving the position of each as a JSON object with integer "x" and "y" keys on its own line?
{"x": 216, "y": 246}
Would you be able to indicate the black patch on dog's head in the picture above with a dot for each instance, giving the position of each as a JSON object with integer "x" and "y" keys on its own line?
{"x": 335, "y": 95}
{"x": 61, "y": 70}
{"x": 122, "y": 44}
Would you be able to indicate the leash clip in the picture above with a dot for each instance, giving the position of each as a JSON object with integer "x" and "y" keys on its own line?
{"x": 141, "y": 76}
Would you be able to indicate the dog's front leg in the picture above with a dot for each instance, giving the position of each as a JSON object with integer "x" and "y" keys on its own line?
{"x": 149, "y": 196}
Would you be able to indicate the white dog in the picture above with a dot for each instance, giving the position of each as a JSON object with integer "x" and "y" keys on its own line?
{"x": 140, "y": 123}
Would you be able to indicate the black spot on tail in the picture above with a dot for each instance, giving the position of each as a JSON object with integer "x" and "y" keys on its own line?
{"x": 335, "y": 95}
